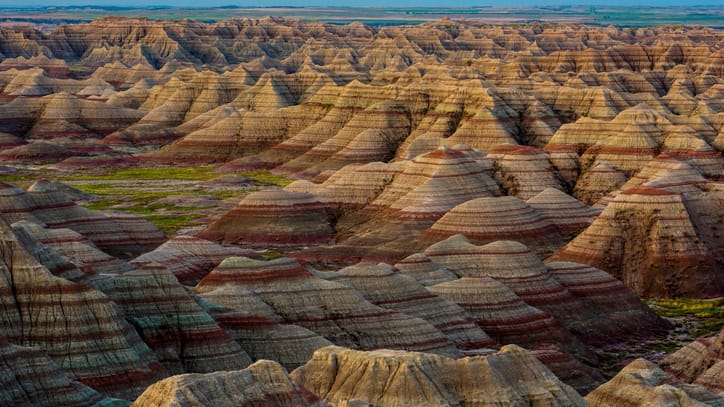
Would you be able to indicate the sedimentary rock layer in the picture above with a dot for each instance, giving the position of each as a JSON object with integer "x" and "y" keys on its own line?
{"x": 265, "y": 383}
{"x": 642, "y": 383}
{"x": 331, "y": 309}
{"x": 396, "y": 378}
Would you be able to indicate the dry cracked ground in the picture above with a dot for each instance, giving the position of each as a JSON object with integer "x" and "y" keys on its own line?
{"x": 271, "y": 212}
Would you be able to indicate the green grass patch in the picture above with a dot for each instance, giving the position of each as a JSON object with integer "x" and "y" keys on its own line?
{"x": 224, "y": 194}
{"x": 198, "y": 173}
{"x": 160, "y": 207}
{"x": 78, "y": 68}
{"x": 710, "y": 313}
{"x": 169, "y": 224}
{"x": 266, "y": 177}
{"x": 270, "y": 254}
{"x": 102, "y": 204}
{"x": 140, "y": 207}
{"x": 112, "y": 189}
{"x": 12, "y": 177}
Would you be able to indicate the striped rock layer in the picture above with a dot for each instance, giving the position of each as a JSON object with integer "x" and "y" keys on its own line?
{"x": 189, "y": 258}
{"x": 184, "y": 337}
{"x": 380, "y": 285}
{"x": 260, "y": 331}
{"x": 265, "y": 383}
{"x": 386, "y": 377}
{"x": 585, "y": 301}
{"x": 47, "y": 204}
{"x": 658, "y": 242}
{"x": 79, "y": 327}
{"x": 273, "y": 217}
{"x": 642, "y": 383}
{"x": 487, "y": 220}
{"x": 81, "y": 253}
{"x": 332, "y": 310}
{"x": 30, "y": 378}
{"x": 701, "y": 362}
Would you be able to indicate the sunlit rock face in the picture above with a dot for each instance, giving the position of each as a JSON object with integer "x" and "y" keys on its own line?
{"x": 642, "y": 383}
{"x": 512, "y": 376}
{"x": 265, "y": 383}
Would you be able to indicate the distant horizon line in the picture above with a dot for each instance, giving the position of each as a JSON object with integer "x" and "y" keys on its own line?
{"x": 162, "y": 6}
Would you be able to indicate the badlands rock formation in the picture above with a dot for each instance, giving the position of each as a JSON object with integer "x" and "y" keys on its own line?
{"x": 700, "y": 362}
{"x": 359, "y": 113}
{"x": 265, "y": 383}
{"x": 189, "y": 258}
{"x": 398, "y": 378}
{"x": 658, "y": 241}
{"x": 97, "y": 347}
{"x": 31, "y": 378}
{"x": 330, "y": 309}
{"x": 274, "y": 217}
{"x": 471, "y": 214}
{"x": 46, "y": 204}
{"x": 642, "y": 383}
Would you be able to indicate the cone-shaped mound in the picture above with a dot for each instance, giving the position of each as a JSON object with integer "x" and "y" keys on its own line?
{"x": 189, "y": 258}
{"x": 524, "y": 171}
{"x": 651, "y": 239}
{"x": 36, "y": 152}
{"x": 184, "y": 337}
{"x": 330, "y": 309}
{"x": 82, "y": 253}
{"x": 501, "y": 313}
{"x": 380, "y": 285}
{"x": 424, "y": 270}
{"x": 256, "y": 326}
{"x": 274, "y": 217}
{"x": 564, "y": 211}
{"x": 491, "y": 219}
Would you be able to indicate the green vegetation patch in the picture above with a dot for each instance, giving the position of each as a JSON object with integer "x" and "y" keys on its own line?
{"x": 266, "y": 177}
{"x": 12, "y": 177}
{"x": 135, "y": 194}
{"x": 102, "y": 204}
{"x": 198, "y": 173}
{"x": 170, "y": 224}
{"x": 709, "y": 313}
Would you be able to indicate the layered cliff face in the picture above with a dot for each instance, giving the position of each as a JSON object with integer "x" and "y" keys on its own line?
{"x": 331, "y": 309}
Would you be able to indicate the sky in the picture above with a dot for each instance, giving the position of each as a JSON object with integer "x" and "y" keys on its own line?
{"x": 355, "y": 3}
